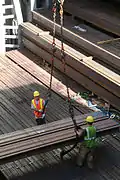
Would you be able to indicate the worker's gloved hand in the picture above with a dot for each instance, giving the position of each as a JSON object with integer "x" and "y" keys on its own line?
{"x": 40, "y": 110}
{"x": 43, "y": 115}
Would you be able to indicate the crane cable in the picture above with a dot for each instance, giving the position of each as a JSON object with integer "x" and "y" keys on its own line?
{"x": 71, "y": 109}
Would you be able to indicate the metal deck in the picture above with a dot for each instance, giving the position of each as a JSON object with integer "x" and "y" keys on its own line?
{"x": 16, "y": 88}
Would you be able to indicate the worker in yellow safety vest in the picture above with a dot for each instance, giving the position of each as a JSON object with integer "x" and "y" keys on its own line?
{"x": 38, "y": 106}
{"x": 89, "y": 144}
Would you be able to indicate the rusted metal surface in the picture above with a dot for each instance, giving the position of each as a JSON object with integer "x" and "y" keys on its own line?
{"x": 100, "y": 53}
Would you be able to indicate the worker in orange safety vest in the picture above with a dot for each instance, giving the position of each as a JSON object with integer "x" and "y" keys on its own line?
{"x": 38, "y": 106}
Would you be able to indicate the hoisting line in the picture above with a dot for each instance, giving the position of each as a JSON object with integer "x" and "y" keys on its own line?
{"x": 71, "y": 109}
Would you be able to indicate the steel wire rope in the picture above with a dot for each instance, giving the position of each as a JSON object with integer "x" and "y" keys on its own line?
{"x": 63, "y": 60}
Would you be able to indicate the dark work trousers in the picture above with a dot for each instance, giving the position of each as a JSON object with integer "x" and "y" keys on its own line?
{"x": 40, "y": 121}
{"x": 85, "y": 152}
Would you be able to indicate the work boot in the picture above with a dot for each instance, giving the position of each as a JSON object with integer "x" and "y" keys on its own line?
{"x": 90, "y": 165}
{"x": 80, "y": 164}
{"x": 90, "y": 161}
{"x": 79, "y": 161}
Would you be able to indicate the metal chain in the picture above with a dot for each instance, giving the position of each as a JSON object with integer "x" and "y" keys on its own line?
{"x": 62, "y": 45}
{"x": 71, "y": 109}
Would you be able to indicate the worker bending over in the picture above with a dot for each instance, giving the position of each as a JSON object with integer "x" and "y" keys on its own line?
{"x": 88, "y": 146}
{"x": 38, "y": 105}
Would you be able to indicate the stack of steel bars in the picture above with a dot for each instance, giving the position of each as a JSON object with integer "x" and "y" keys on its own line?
{"x": 38, "y": 139}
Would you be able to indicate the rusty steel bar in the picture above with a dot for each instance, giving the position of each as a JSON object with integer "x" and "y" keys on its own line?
{"x": 47, "y": 138}
{"x": 31, "y": 132}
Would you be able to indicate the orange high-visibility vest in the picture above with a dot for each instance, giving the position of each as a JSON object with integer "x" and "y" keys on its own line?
{"x": 38, "y": 106}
